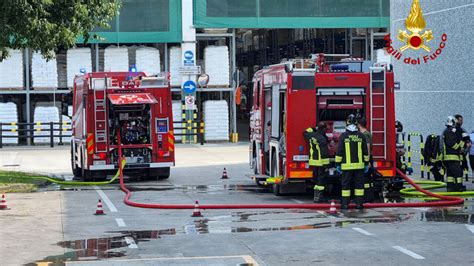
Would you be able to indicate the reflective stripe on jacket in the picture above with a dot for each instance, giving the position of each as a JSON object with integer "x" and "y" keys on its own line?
{"x": 452, "y": 145}
{"x": 318, "y": 147}
{"x": 352, "y": 151}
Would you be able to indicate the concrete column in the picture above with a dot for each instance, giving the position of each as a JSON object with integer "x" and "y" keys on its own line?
{"x": 188, "y": 47}
{"x": 27, "y": 96}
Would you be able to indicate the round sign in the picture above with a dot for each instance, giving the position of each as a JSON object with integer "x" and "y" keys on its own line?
{"x": 189, "y": 86}
{"x": 203, "y": 79}
{"x": 188, "y": 55}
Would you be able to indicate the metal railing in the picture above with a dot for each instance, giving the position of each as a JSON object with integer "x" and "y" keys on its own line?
{"x": 191, "y": 129}
{"x": 61, "y": 130}
{"x": 29, "y": 128}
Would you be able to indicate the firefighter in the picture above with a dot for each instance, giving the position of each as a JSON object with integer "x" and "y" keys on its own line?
{"x": 467, "y": 143}
{"x": 318, "y": 158}
{"x": 369, "y": 180}
{"x": 453, "y": 144}
{"x": 352, "y": 159}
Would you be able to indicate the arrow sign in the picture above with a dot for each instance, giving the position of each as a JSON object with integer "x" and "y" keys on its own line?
{"x": 189, "y": 86}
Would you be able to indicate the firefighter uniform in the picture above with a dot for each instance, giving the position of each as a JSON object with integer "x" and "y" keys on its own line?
{"x": 453, "y": 144}
{"x": 318, "y": 159}
{"x": 352, "y": 158}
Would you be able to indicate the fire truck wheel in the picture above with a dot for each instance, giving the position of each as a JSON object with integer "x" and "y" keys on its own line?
{"x": 164, "y": 173}
{"x": 85, "y": 174}
{"x": 277, "y": 189}
{"x": 76, "y": 171}
{"x": 160, "y": 173}
{"x": 255, "y": 166}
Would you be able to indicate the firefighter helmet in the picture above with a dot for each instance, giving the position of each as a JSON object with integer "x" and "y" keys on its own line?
{"x": 351, "y": 120}
{"x": 451, "y": 121}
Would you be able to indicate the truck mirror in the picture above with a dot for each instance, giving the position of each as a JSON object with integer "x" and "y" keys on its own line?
{"x": 64, "y": 109}
{"x": 65, "y": 102}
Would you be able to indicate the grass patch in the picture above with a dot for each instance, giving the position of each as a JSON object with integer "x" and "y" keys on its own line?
{"x": 20, "y": 182}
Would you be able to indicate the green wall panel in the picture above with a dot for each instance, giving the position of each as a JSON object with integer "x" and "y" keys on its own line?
{"x": 291, "y": 13}
{"x": 144, "y": 21}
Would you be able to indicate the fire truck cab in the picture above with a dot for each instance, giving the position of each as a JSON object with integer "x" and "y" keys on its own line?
{"x": 126, "y": 105}
{"x": 290, "y": 97}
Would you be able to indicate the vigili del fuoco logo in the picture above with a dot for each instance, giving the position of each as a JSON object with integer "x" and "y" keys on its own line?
{"x": 415, "y": 37}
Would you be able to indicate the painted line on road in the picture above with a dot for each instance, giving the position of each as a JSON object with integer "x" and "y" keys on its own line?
{"x": 297, "y": 201}
{"x": 362, "y": 231}
{"x": 247, "y": 258}
{"x": 130, "y": 242}
{"x": 409, "y": 252}
{"x": 106, "y": 199}
{"x": 120, "y": 222}
{"x": 470, "y": 227}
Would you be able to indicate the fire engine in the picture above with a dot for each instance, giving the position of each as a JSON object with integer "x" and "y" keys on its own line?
{"x": 290, "y": 97}
{"x": 106, "y": 104}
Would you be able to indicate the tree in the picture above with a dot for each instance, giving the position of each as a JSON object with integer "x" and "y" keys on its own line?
{"x": 48, "y": 25}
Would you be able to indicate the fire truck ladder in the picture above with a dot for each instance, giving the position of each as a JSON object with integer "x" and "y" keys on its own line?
{"x": 378, "y": 109}
{"x": 100, "y": 116}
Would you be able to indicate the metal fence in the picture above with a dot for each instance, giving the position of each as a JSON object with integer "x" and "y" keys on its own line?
{"x": 63, "y": 130}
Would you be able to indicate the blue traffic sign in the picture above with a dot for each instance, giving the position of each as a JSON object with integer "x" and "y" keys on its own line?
{"x": 188, "y": 55}
{"x": 189, "y": 86}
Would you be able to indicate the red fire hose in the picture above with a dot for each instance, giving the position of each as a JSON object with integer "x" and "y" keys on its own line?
{"x": 444, "y": 200}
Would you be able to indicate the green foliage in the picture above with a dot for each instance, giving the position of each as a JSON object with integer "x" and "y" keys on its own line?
{"x": 48, "y": 25}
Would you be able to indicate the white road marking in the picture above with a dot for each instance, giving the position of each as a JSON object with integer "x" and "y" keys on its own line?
{"x": 106, "y": 199}
{"x": 120, "y": 222}
{"x": 130, "y": 242}
{"x": 409, "y": 252}
{"x": 470, "y": 227}
{"x": 247, "y": 258}
{"x": 362, "y": 231}
{"x": 297, "y": 201}
{"x": 422, "y": 208}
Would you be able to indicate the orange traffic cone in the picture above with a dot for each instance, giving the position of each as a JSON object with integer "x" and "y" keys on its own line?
{"x": 224, "y": 174}
{"x": 3, "y": 203}
{"x": 100, "y": 209}
{"x": 196, "y": 211}
{"x": 332, "y": 207}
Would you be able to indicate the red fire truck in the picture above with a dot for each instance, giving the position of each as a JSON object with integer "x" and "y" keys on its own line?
{"x": 292, "y": 96}
{"x": 106, "y": 104}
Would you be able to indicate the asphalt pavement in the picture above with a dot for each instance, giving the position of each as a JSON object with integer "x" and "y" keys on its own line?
{"x": 57, "y": 225}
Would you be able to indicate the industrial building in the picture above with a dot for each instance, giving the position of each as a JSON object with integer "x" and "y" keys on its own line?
{"x": 225, "y": 36}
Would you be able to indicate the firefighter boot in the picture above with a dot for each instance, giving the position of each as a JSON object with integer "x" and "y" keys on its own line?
{"x": 359, "y": 203}
{"x": 345, "y": 203}
{"x": 318, "y": 196}
{"x": 450, "y": 186}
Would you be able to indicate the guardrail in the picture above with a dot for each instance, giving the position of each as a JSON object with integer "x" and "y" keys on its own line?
{"x": 30, "y": 128}
{"x": 189, "y": 127}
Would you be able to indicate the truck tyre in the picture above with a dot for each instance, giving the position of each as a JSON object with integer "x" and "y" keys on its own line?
{"x": 159, "y": 173}
{"x": 76, "y": 171}
{"x": 273, "y": 173}
{"x": 277, "y": 189}
{"x": 85, "y": 174}
{"x": 164, "y": 173}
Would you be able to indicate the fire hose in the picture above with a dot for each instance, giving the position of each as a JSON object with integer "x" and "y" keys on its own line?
{"x": 443, "y": 200}
{"x": 411, "y": 191}
{"x": 78, "y": 183}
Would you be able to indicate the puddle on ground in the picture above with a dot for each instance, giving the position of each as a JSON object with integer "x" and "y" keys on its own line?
{"x": 203, "y": 188}
{"x": 249, "y": 221}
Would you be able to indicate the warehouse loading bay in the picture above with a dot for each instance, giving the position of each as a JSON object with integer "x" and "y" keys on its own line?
{"x": 207, "y": 101}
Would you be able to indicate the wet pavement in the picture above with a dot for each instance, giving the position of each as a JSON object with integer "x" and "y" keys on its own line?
{"x": 134, "y": 236}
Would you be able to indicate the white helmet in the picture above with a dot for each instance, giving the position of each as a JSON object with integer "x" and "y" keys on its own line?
{"x": 451, "y": 121}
